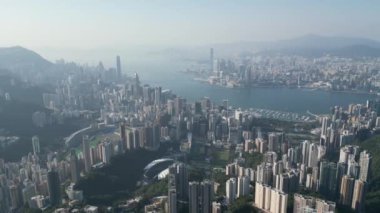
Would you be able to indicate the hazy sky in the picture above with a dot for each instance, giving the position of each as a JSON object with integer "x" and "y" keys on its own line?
{"x": 107, "y": 23}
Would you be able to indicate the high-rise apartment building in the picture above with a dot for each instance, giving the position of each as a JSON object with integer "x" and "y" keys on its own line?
{"x": 358, "y": 196}
{"x": 304, "y": 203}
{"x": 74, "y": 167}
{"x": 118, "y": 66}
{"x": 200, "y": 196}
{"x": 178, "y": 183}
{"x": 346, "y": 190}
{"x": 86, "y": 153}
{"x": 36, "y": 145}
{"x": 194, "y": 197}
{"x": 211, "y": 59}
{"x": 54, "y": 187}
{"x": 242, "y": 186}
{"x": 270, "y": 199}
{"x": 365, "y": 161}
{"x": 172, "y": 201}
{"x": 231, "y": 190}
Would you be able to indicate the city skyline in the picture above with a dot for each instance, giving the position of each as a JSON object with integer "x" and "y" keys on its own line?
{"x": 189, "y": 106}
{"x": 135, "y": 118}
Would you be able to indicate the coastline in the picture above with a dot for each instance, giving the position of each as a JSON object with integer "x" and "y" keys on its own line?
{"x": 289, "y": 87}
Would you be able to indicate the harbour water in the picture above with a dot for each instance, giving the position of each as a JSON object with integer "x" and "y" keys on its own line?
{"x": 166, "y": 73}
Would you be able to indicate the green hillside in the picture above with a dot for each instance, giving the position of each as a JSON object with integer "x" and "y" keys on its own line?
{"x": 372, "y": 199}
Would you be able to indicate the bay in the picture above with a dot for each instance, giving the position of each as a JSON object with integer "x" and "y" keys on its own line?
{"x": 167, "y": 74}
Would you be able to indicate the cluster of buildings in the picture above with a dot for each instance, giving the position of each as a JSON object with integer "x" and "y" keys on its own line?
{"x": 304, "y": 203}
{"x": 287, "y": 168}
{"x": 182, "y": 194}
{"x": 37, "y": 183}
{"x": 237, "y": 187}
{"x": 38, "y": 180}
{"x": 325, "y": 72}
{"x": 148, "y": 116}
{"x": 353, "y": 177}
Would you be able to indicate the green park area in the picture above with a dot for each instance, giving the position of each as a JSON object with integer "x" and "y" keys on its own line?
{"x": 205, "y": 155}
{"x": 220, "y": 157}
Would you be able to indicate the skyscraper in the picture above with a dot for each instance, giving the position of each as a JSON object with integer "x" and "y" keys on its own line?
{"x": 118, "y": 66}
{"x": 340, "y": 171}
{"x": 15, "y": 196}
{"x": 136, "y": 89}
{"x": 264, "y": 173}
{"x": 347, "y": 152}
{"x": 259, "y": 195}
{"x": 242, "y": 186}
{"x": 129, "y": 134}
{"x": 278, "y": 201}
{"x": 182, "y": 177}
{"x": 86, "y": 153}
{"x": 193, "y": 197}
{"x": 107, "y": 149}
{"x": 248, "y": 75}
{"x": 325, "y": 124}
{"x": 269, "y": 199}
{"x": 365, "y": 164}
{"x": 54, "y": 188}
{"x": 358, "y": 196}
{"x": 353, "y": 169}
{"x": 179, "y": 104}
{"x": 313, "y": 155}
{"x": 28, "y": 191}
{"x": 231, "y": 190}
{"x": 74, "y": 167}
{"x": 211, "y": 59}
{"x": 331, "y": 184}
{"x": 327, "y": 178}
{"x": 275, "y": 139}
{"x": 123, "y": 137}
{"x": 283, "y": 182}
{"x": 178, "y": 180}
{"x": 157, "y": 96}
{"x": 152, "y": 137}
{"x": 346, "y": 190}
{"x": 36, "y": 145}
{"x": 207, "y": 194}
{"x": 305, "y": 152}
{"x": 172, "y": 201}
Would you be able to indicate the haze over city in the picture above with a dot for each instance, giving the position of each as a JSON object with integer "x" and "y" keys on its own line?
{"x": 163, "y": 106}
{"x": 70, "y": 29}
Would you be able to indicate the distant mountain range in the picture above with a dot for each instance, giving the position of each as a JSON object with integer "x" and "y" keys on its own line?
{"x": 321, "y": 42}
{"x": 308, "y": 46}
{"x": 315, "y": 46}
{"x": 21, "y": 59}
